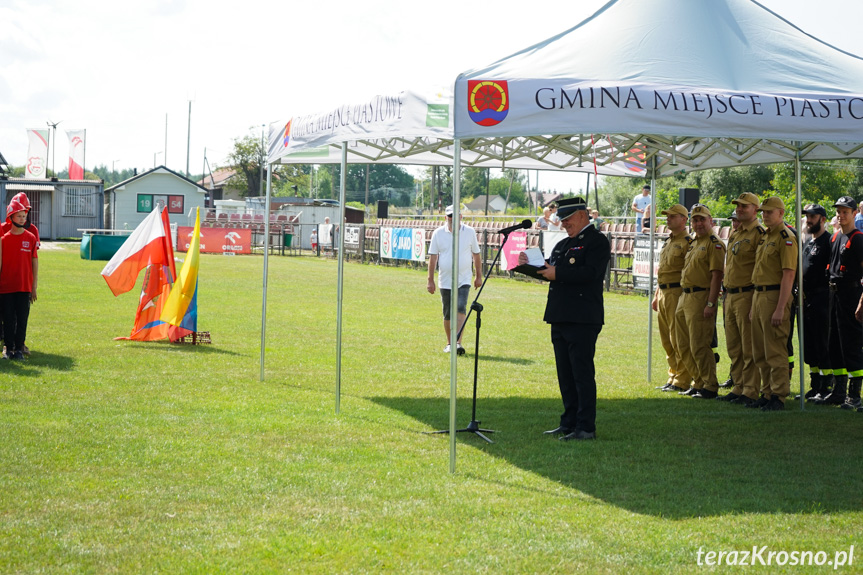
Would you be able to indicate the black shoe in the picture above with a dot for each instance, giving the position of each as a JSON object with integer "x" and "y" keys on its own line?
{"x": 459, "y": 350}
{"x": 17, "y": 355}
{"x": 743, "y": 400}
{"x": 761, "y": 402}
{"x": 664, "y": 387}
{"x": 834, "y": 398}
{"x": 852, "y": 403}
{"x": 860, "y": 410}
{"x": 690, "y": 392}
{"x": 673, "y": 388}
{"x": 729, "y": 383}
{"x": 579, "y": 436}
{"x": 730, "y": 397}
{"x": 559, "y": 431}
{"x": 705, "y": 394}
{"x": 775, "y": 404}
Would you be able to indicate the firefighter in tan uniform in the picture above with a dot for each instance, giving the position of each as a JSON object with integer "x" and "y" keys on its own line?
{"x": 775, "y": 268}
{"x": 695, "y": 319}
{"x": 739, "y": 263}
{"x": 668, "y": 293}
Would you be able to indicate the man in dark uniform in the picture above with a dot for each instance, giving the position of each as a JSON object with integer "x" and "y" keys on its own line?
{"x": 816, "y": 298}
{"x": 845, "y": 342}
{"x": 576, "y": 271}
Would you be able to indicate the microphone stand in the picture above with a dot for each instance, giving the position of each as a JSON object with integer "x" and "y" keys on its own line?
{"x": 473, "y": 426}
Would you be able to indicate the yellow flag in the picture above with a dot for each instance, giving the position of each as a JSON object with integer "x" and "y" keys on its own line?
{"x": 182, "y": 297}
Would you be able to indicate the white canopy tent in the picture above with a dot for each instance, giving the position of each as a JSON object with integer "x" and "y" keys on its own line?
{"x": 666, "y": 86}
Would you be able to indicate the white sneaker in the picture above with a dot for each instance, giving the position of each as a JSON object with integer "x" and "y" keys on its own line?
{"x": 446, "y": 349}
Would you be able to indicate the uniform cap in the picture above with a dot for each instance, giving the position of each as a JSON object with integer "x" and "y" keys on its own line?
{"x": 569, "y": 206}
{"x": 846, "y": 202}
{"x": 700, "y": 210}
{"x": 733, "y": 216}
{"x": 815, "y": 209}
{"x": 675, "y": 209}
{"x": 14, "y": 207}
{"x": 747, "y": 198}
{"x": 772, "y": 203}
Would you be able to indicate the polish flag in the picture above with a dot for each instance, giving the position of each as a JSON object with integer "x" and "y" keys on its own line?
{"x": 150, "y": 243}
{"x": 76, "y": 153}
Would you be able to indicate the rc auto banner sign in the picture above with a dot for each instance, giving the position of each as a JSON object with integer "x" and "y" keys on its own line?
{"x": 403, "y": 244}
{"x": 217, "y": 240}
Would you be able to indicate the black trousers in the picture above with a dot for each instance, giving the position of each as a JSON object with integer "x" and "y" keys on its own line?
{"x": 816, "y": 306}
{"x": 16, "y": 310}
{"x": 846, "y": 333}
{"x": 574, "y": 346}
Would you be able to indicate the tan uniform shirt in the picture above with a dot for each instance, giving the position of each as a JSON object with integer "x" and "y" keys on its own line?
{"x": 777, "y": 251}
{"x": 671, "y": 258}
{"x": 705, "y": 255}
{"x": 741, "y": 254}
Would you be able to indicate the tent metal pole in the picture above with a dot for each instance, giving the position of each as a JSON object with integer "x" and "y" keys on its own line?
{"x": 798, "y": 214}
{"x": 453, "y": 302}
{"x": 266, "y": 267}
{"x": 653, "y": 220}
{"x": 343, "y": 182}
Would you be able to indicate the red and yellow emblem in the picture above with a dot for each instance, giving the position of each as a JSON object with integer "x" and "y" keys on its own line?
{"x": 487, "y": 101}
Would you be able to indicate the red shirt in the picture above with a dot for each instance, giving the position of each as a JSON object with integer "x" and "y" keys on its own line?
{"x": 7, "y": 225}
{"x": 16, "y": 268}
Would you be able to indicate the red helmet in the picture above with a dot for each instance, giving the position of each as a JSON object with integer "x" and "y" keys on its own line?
{"x": 14, "y": 206}
{"x": 25, "y": 201}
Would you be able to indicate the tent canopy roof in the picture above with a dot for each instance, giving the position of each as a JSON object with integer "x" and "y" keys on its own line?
{"x": 693, "y": 85}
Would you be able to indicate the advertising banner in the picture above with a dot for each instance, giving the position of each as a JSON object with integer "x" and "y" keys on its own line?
{"x": 37, "y": 154}
{"x": 403, "y": 244}
{"x": 641, "y": 263}
{"x": 77, "y": 144}
{"x": 217, "y": 240}
{"x": 515, "y": 244}
{"x": 353, "y": 239}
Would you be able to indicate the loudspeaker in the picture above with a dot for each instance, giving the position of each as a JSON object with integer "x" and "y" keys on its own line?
{"x": 689, "y": 197}
{"x": 383, "y": 209}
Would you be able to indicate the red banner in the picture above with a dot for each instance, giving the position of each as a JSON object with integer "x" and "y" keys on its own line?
{"x": 217, "y": 240}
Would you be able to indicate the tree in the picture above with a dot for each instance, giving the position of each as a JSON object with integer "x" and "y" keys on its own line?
{"x": 246, "y": 159}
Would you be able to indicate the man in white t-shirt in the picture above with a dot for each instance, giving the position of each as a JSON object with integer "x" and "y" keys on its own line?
{"x": 639, "y": 203}
{"x": 440, "y": 256}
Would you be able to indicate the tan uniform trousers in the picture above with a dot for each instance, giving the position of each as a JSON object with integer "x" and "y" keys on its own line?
{"x": 694, "y": 333}
{"x": 666, "y": 308}
{"x": 770, "y": 344}
{"x": 738, "y": 341}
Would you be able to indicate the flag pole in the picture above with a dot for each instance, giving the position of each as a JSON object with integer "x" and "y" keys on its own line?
{"x": 266, "y": 267}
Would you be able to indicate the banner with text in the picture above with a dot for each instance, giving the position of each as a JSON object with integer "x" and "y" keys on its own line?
{"x": 515, "y": 244}
{"x": 217, "y": 240}
{"x": 641, "y": 263}
{"x": 403, "y": 244}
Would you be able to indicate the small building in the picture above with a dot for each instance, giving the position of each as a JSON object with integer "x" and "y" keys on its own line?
{"x": 495, "y": 204}
{"x": 129, "y": 202}
{"x": 218, "y": 184}
{"x": 59, "y": 208}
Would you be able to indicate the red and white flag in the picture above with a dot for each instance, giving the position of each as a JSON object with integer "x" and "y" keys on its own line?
{"x": 37, "y": 154}
{"x": 150, "y": 243}
{"x": 77, "y": 140}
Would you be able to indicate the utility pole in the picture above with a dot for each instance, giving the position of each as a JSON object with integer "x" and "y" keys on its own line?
{"x": 188, "y": 138}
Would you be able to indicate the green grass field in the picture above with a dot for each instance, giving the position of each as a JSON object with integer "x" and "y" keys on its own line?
{"x": 125, "y": 457}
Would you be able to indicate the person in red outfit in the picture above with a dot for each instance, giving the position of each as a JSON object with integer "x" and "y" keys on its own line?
{"x": 30, "y": 227}
{"x": 19, "y": 273}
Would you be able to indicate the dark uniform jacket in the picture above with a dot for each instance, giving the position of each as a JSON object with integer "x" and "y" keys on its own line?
{"x": 576, "y": 294}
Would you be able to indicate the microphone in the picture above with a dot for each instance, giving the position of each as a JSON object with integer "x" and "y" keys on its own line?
{"x": 524, "y": 225}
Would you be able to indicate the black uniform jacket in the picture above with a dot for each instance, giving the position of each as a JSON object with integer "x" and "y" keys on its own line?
{"x": 575, "y": 296}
